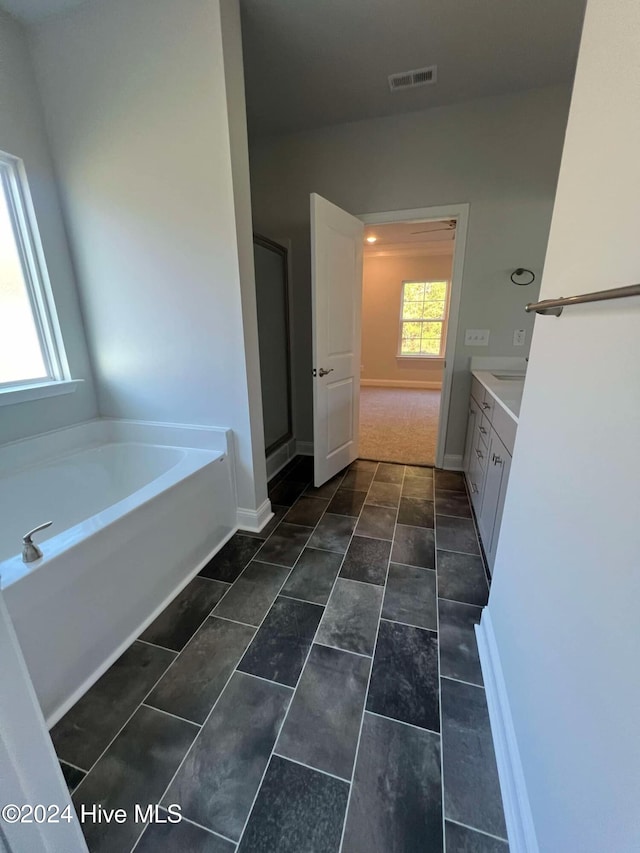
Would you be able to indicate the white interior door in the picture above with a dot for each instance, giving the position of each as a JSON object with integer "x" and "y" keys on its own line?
{"x": 336, "y": 281}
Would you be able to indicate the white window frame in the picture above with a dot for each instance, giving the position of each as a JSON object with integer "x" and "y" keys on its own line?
{"x": 15, "y": 186}
{"x": 444, "y": 320}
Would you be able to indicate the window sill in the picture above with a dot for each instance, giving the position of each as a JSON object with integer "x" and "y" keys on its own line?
{"x": 419, "y": 358}
{"x": 25, "y": 393}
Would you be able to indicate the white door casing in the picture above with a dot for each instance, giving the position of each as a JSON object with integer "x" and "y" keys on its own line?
{"x": 336, "y": 282}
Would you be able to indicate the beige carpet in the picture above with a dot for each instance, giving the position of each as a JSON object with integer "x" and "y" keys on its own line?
{"x": 399, "y": 425}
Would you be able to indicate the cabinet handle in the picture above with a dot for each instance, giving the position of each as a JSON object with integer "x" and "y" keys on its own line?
{"x": 474, "y": 488}
{"x": 482, "y": 430}
{"x": 486, "y": 406}
{"x": 496, "y": 460}
{"x": 478, "y": 454}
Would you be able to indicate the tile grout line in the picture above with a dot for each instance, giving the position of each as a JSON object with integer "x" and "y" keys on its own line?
{"x": 461, "y": 681}
{"x": 155, "y": 645}
{"x": 466, "y": 603}
{"x": 176, "y": 655}
{"x": 227, "y": 619}
{"x": 268, "y": 680}
{"x": 338, "y": 649}
{"x": 410, "y": 624}
{"x": 375, "y": 644}
{"x": 166, "y": 670}
{"x": 464, "y": 553}
{"x": 148, "y": 694}
{"x": 169, "y": 714}
{"x": 442, "y": 794}
{"x": 479, "y": 831}
{"x": 402, "y": 722}
{"x": 186, "y": 820}
{"x": 70, "y": 764}
{"x": 235, "y": 669}
{"x": 128, "y": 720}
{"x": 291, "y": 701}
{"x": 309, "y": 766}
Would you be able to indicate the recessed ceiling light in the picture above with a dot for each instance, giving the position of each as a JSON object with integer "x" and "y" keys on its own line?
{"x": 371, "y": 239}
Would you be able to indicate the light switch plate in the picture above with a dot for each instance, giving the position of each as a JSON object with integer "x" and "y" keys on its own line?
{"x": 519, "y": 337}
{"x": 476, "y": 338}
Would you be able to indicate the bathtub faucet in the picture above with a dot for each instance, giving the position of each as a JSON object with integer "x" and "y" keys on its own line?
{"x": 31, "y": 552}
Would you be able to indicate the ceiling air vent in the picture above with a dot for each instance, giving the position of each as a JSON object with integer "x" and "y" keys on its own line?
{"x": 412, "y": 79}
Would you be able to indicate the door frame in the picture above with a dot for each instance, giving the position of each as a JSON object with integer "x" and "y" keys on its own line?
{"x": 459, "y": 212}
{"x": 283, "y": 251}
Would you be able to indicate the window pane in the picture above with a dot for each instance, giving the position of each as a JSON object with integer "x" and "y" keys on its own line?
{"x": 430, "y": 346}
{"x": 436, "y": 290}
{"x": 412, "y": 311}
{"x": 414, "y": 291}
{"x": 411, "y": 330}
{"x": 433, "y": 310}
{"x": 410, "y": 346}
{"x": 20, "y": 352}
{"x": 431, "y": 330}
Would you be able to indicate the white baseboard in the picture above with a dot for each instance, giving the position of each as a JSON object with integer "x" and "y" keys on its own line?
{"x": 452, "y": 462}
{"x": 254, "y": 519}
{"x": 401, "y": 383}
{"x": 304, "y": 448}
{"x": 517, "y": 810}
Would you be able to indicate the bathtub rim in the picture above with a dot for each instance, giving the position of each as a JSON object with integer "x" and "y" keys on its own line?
{"x": 102, "y": 432}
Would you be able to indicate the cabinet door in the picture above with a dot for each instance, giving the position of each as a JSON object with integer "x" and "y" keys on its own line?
{"x": 491, "y": 493}
{"x": 505, "y": 463}
{"x": 474, "y": 414}
{"x": 477, "y": 469}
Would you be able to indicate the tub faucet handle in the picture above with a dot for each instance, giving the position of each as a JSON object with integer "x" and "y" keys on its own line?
{"x": 31, "y": 552}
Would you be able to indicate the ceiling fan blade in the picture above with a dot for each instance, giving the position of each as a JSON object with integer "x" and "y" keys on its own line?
{"x": 432, "y": 230}
{"x": 450, "y": 226}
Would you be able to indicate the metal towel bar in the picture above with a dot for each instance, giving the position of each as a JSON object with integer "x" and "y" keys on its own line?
{"x": 555, "y": 306}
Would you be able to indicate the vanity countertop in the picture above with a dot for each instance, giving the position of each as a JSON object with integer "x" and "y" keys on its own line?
{"x": 506, "y": 390}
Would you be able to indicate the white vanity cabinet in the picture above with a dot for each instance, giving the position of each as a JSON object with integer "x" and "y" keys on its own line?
{"x": 495, "y": 487}
{"x": 487, "y": 461}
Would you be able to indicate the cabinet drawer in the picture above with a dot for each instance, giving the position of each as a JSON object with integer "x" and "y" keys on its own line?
{"x": 475, "y": 480}
{"x": 484, "y": 428}
{"x": 480, "y": 451}
{"x": 487, "y": 404}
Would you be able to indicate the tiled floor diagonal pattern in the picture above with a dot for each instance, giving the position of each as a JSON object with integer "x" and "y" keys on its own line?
{"x": 315, "y": 688}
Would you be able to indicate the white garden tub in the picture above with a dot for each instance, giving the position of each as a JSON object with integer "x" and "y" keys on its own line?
{"x": 137, "y": 509}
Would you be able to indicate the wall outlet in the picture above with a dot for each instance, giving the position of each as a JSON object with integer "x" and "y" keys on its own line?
{"x": 476, "y": 338}
{"x": 519, "y": 337}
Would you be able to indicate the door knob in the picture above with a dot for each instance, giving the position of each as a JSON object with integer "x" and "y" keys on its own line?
{"x": 323, "y": 372}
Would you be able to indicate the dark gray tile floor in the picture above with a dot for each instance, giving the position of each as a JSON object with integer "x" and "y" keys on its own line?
{"x": 316, "y": 688}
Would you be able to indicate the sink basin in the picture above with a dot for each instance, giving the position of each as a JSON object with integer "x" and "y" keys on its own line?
{"x": 506, "y": 376}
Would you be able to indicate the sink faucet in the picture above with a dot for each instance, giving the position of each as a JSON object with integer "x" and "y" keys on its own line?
{"x": 31, "y": 552}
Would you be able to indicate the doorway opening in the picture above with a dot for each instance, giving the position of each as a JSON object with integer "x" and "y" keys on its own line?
{"x": 412, "y": 279}
{"x": 407, "y": 271}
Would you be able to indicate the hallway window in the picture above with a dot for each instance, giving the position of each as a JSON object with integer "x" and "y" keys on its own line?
{"x": 423, "y": 319}
{"x": 30, "y": 351}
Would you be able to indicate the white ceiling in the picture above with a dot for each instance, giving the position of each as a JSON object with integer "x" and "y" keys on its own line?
{"x": 310, "y": 64}
{"x": 29, "y": 11}
{"x": 410, "y": 238}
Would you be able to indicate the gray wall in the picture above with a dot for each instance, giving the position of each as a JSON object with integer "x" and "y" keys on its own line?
{"x": 566, "y": 582}
{"x": 501, "y": 155}
{"x": 22, "y": 133}
{"x": 136, "y": 102}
